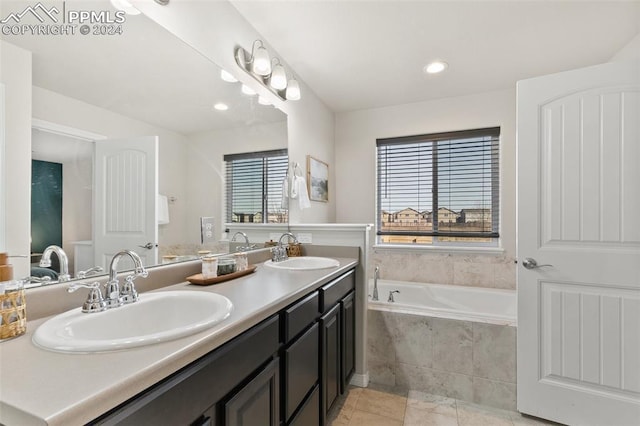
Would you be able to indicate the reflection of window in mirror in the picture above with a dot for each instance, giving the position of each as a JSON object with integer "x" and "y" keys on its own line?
{"x": 254, "y": 187}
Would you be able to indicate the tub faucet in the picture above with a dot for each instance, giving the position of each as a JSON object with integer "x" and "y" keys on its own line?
{"x": 45, "y": 262}
{"x": 114, "y": 297}
{"x": 390, "y": 299}
{"x": 376, "y": 273}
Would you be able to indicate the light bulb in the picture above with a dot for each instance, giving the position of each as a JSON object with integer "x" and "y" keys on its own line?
{"x": 226, "y": 76}
{"x": 248, "y": 90}
{"x": 278, "y": 77}
{"x": 261, "y": 62}
{"x": 293, "y": 90}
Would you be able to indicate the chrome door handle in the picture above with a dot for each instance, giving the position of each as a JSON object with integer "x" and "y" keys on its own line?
{"x": 530, "y": 263}
{"x": 149, "y": 246}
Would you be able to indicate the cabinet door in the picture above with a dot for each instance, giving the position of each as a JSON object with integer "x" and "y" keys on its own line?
{"x": 301, "y": 369}
{"x": 348, "y": 313}
{"x": 256, "y": 403}
{"x": 330, "y": 331}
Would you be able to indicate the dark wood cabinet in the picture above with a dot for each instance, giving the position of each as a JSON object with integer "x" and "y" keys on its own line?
{"x": 331, "y": 355}
{"x": 256, "y": 403}
{"x": 337, "y": 339}
{"x": 348, "y": 316}
{"x": 301, "y": 369}
{"x": 287, "y": 370}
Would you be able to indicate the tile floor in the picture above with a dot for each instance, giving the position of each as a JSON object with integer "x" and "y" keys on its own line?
{"x": 379, "y": 406}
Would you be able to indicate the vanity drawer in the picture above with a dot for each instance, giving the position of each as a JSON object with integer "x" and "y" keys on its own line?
{"x": 299, "y": 316}
{"x": 309, "y": 414}
{"x": 331, "y": 293}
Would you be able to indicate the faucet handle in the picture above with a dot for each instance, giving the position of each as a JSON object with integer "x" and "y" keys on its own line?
{"x": 95, "y": 302}
{"x": 129, "y": 293}
{"x": 90, "y": 271}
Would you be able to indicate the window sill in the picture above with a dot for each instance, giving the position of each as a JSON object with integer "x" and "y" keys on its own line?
{"x": 439, "y": 249}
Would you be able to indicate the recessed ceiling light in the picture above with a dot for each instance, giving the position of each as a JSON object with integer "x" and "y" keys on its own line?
{"x": 221, "y": 107}
{"x": 248, "y": 90}
{"x": 226, "y": 76}
{"x": 435, "y": 67}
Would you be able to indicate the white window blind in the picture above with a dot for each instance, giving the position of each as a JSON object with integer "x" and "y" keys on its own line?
{"x": 254, "y": 186}
{"x": 439, "y": 187}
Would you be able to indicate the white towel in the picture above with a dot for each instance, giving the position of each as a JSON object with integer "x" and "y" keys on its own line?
{"x": 299, "y": 191}
{"x": 163, "y": 209}
{"x": 284, "y": 202}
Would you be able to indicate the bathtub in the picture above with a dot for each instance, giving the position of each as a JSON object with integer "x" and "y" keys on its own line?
{"x": 492, "y": 306}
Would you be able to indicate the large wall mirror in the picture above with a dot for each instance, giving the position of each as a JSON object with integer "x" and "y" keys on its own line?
{"x": 129, "y": 131}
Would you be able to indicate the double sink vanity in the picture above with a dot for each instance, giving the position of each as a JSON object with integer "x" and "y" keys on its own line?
{"x": 273, "y": 347}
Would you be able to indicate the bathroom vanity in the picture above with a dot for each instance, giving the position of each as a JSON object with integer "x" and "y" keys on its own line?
{"x": 282, "y": 357}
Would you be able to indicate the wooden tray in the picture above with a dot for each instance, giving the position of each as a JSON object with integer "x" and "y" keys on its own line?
{"x": 199, "y": 280}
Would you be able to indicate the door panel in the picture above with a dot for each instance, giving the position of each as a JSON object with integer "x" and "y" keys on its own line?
{"x": 126, "y": 179}
{"x": 579, "y": 211}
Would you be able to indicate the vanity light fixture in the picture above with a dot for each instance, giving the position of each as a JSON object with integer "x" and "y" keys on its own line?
{"x": 125, "y": 6}
{"x": 275, "y": 80}
{"x": 226, "y": 76}
{"x": 435, "y": 67}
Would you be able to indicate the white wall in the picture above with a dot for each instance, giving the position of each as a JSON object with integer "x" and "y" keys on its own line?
{"x": 630, "y": 51}
{"x": 63, "y": 110}
{"x": 206, "y": 171}
{"x": 355, "y": 157}
{"x": 216, "y": 28}
{"x": 15, "y": 74}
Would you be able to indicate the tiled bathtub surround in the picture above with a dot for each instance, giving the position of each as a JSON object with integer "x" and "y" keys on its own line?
{"x": 478, "y": 270}
{"x": 459, "y": 359}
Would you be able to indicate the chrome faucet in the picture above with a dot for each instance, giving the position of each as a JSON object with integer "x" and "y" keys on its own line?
{"x": 113, "y": 295}
{"x": 279, "y": 252}
{"x": 376, "y": 273}
{"x": 45, "y": 261}
{"x": 390, "y": 299}
{"x": 248, "y": 245}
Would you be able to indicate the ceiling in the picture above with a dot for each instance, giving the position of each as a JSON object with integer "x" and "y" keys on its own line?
{"x": 145, "y": 73}
{"x": 367, "y": 54}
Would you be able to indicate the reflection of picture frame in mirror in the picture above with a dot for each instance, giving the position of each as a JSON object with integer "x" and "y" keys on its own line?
{"x": 317, "y": 179}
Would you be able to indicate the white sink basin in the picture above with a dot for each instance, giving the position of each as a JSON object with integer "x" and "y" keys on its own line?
{"x": 305, "y": 263}
{"x": 156, "y": 317}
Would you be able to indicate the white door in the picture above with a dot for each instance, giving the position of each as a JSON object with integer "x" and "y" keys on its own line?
{"x": 125, "y": 209}
{"x": 578, "y": 138}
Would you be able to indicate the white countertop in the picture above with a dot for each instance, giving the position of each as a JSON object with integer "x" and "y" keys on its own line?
{"x": 39, "y": 387}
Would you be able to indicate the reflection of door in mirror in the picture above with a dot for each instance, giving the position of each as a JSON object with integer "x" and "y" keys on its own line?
{"x": 126, "y": 187}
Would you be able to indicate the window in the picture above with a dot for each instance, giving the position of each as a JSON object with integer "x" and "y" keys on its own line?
{"x": 439, "y": 188}
{"x": 254, "y": 186}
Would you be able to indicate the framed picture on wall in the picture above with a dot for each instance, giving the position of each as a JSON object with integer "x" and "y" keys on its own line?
{"x": 317, "y": 179}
